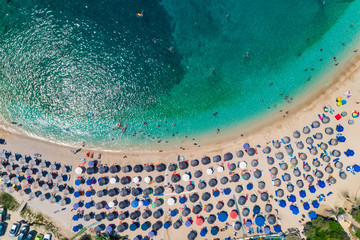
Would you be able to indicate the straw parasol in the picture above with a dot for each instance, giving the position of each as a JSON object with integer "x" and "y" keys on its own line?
{"x": 213, "y": 182}
{"x": 239, "y": 189}
{"x": 329, "y": 169}
{"x": 290, "y": 187}
{"x": 319, "y": 174}
{"x": 315, "y": 124}
{"x": 325, "y": 120}
{"x": 206, "y": 196}
{"x": 299, "y": 183}
{"x": 329, "y": 130}
{"x": 303, "y": 156}
{"x": 297, "y": 172}
{"x": 277, "y": 144}
{"x": 286, "y": 139}
{"x": 318, "y": 136}
{"x": 245, "y": 212}
{"x": 279, "y": 155}
{"x": 316, "y": 163}
{"x": 336, "y": 153}
{"x": 296, "y": 134}
{"x": 186, "y": 212}
{"x": 270, "y": 160}
{"x": 267, "y": 150}
{"x": 254, "y": 163}
{"x": 190, "y": 187}
{"x": 246, "y": 176}
{"x": 284, "y": 166}
{"x": 332, "y": 180}
{"x": 224, "y": 180}
{"x": 231, "y": 202}
{"x": 240, "y": 153}
{"x": 343, "y": 175}
{"x": 251, "y": 151}
{"x": 205, "y": 160}
{"x": 264, "y": 196}
{"x": 183, "y": 165}
{"x": 209, "y": 207}
{"x": 334, "y": 142}
{"x": 198, "y": 173}
{"x": 232, "y": 167}
{"x": 309, "y": 140}
{"x": 274, "y": 171}
{"x": 202, "y": 185}
{"x": 338, "y": 164}
{"x": 289, "y": 150}
{"x": 300, "y": 145}
{"x": 194, "y": 163}
{"x": 253, "y": 198}
{"x": 242, "y": 200}
{"x": 235, "y": 177}
{"x": 310, "y": 179}
{"x": 323, "y": 146}
{"x": 257, "y": 174}
{"x": 219, "y": 205}
{"x": 313, "y": 151}
{"x": 277, "y": 182}
{"x": 306, "y": 130}
{"x": 286, "y": 177}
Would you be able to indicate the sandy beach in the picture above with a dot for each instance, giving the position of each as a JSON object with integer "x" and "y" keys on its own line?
{"x": 302, "y": 113}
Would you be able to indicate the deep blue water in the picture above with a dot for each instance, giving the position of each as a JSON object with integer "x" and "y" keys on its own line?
{"x": 70, "y": 71}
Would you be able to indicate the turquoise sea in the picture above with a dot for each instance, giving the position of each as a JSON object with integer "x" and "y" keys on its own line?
{"x": 70, "y": 71}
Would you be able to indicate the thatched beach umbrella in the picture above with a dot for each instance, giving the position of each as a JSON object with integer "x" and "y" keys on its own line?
{"x": 313, "y": 151}
{"x": 316, "y": 163}
{"x": 159, "y": 179}
{"x": 318, "y": 136}
{"x": 329, "y": 130}
{"x": 303, "y": 156}
{"x": 319, "y": 174}
{"x": 268, "y": 208}
{"x": 206, "y": 196}
{"x": 325, "y": 120}
{"x": 186, "y": 212}
{"x": 179, "y": 189}
{"x": 177, "y": 224}
{"x": 209, "y": 207}
{"x": 242, "y": 200}
{"x": 194, "y": 163}
{"x": 334, "y": 142}
{"x": 224, "y": 180}
{"x": 289, "y": 150}
{"x": 253, "y": 198}
{"x": 231, "y": 202}
{"x": 274, "y": 171}
{"x": 219, "y": 205}
{"x": 284, "y": 166}
{"x": 309, "y": 140}
{"x": 126, "y": 169}
{"x": 339, "y": 164}
{"x": 277, "y": 144}
{"x": 277, "y": 182}
{"x": 296, "y": 134}
{"x": 279, "y": 155}
{"x": 290, "y": 188}
{"x": 190, "y": 187}
{"x": 202, "y": 185}
{"x": 329, "y": 169}
{"x": 254, "y": 163}
{"x": 213, "y": 182}
{"x": 267, "y": 150}
{"x": 240, "y": 153}
{"x": 310, "y": 179}
{"x": 161, "y": 167}
{"x": 246, "y": 176}
{"x": 194, "y": 197}
{"x": 172, "y": 167}
{"x": 343, "y": 175}
{"x": 286, "y": 139}
{"x": 332, "y": 180}
{"x": 245, "y": 212}
{"x": 235, "y": 177}
{"x": 228, "y": 156}
{"x": 271, "y": 220}
{"x": 323, "y": 146}
{"x": 239, "y": 189}
{"x": 232, "y": 166}
{"x": 205, "y": 160}
{"x": 315, "y": 124}
{"x": 297, "y": 172}
{"x": 336, "y": 153}
{"x": 175, "y": 178}
{"x": 197, "y": 209}
{"x": 198, "y": 173}
{"x": 257, "y": 174}
{"x": 300, "y": 145}
{"x": 261, "y": 185}
{"x": 286, "y": 177}
{"x": 158, "y": 213}
{"x": 149, "y": 168}
{"x": 211, "y": 219}
{"x": 264, "y": 196}
{"x": 138, "y": 168}
{"x": 299, "y": 183}
{"x": 306, "y": 130}
{"x": 183, "y": 165}
{"x": 251, "y": 151}
{"x": 270, "y": 160}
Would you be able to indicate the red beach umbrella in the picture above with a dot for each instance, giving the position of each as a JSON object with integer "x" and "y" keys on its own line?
{"x": 199, "y": 221}
{"x": 233, "y": 214}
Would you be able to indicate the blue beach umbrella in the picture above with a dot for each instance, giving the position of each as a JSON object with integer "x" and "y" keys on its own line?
{"x": 135, "y": 203}
{"x": 188, "y": 223}
{"x": 174, "y": 212}
{"x": 227, "y": 191}
{"x": 167, "y": 225}
{"x": 216, "y": 193}
{"x": 248, "y": 223}
{"x": 76, "y": 194}
{"x": 266, "y": 229}
{"x": 312, "y": 189}
{"x": 249, "y": 186}
{"x": 88, "y": 205}
{"x": 260, "y": 221}
{"x": 145, "y": 226}
{"x": 295, "y": 210}
{"x": 306, "y": 206}
{"x": 339, "y": 128}
{"x": 88, "y": 182}
{"x": 315, "y": 204}
{"x": 256, "y": 209}
{"x": 145, "y": 238}
{"x": 302, "y": 193}
{"x": 222, "y": 216}
{"x": 292, "y": 198}
{"x": 76, "y": 206}
{"x": 282, "y": 203}
{"x": 321, "y": 184}
{"x": 146, "y": 202}
{"x": 214, "y": 231}
{"x": 91, "y": 163}
{"x": 203, "y": 232}
{"x": 88, "y": 193}
{"x": 312, "y": 215}
{"x": 246, "y": 146}
{"x": 75, "y": 218}
{"x": 341, "y": 139}
{"x": 356, "y": 168}
{"x": 277, "y": 228}
{"x": 134, "y": 226}
{"x": 151, "y": 234}
{"x": 137, "y": 237}
{"x": 182, "y": 200}
{"x": 349, "y": 153}
{"x": 77, "y": 182}
{"x": 75, "y": 229}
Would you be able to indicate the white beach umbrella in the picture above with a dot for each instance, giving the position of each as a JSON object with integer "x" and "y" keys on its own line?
{"x": 186, "y": 177}
{"x": 111, "y": 204}
{"x": 78, "y": 170}
{"x": 171, "y": 201}
{"x": 113, "y": 180}
{"x": 209, "y": 171}
{"x": 136, "y": 179}
{"x": 147, "y": 179}
{"x": 220, "y": 169}
{"x": 243, "y": 165}
{"x": 12, "y": 158}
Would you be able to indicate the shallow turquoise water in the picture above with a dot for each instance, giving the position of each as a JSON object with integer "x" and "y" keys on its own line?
{"x": 71, "y": 70}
